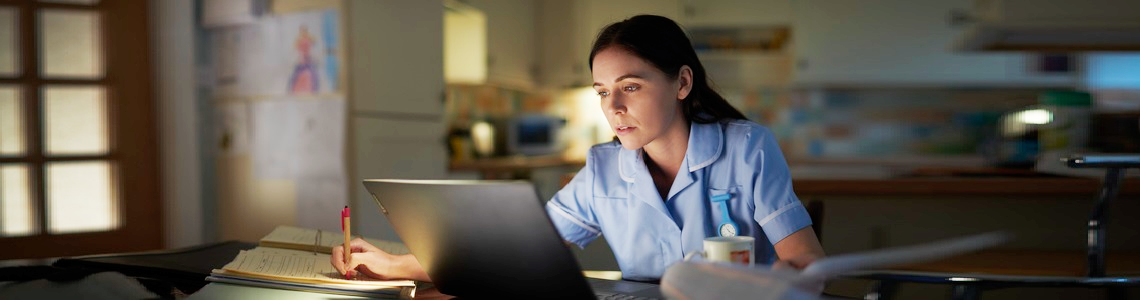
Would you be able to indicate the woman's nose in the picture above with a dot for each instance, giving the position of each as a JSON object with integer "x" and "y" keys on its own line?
{"x": 614, "y": 105}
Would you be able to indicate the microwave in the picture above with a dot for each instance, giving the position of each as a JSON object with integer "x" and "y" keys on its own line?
{"x": 533, "y": 134}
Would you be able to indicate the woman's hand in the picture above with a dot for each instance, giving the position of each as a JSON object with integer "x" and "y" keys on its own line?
{"x": 376, "y": 263}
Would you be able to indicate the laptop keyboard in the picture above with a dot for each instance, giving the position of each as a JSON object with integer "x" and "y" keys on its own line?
{"x": 616, "y": 296}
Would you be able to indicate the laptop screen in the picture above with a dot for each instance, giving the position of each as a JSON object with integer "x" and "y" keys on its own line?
{"x": 481, "y": 238}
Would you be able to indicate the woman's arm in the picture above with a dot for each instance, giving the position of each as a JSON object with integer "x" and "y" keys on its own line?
{"x": 798, "y": 250}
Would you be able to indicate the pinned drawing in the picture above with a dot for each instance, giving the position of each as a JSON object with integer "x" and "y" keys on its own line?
{"x": 305, "y": 79}
{"x": 280, "y": 55}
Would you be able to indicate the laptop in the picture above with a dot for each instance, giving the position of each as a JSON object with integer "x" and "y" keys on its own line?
{"x": 489, "y": 239}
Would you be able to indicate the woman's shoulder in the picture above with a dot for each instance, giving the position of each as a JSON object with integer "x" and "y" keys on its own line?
{"x": 607, "y": 148}
{"x": 604, "y": 152}
{"x": 745, "y": 131}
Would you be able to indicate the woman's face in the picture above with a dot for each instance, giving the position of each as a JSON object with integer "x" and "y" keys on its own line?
{"x": 640, "y": 102}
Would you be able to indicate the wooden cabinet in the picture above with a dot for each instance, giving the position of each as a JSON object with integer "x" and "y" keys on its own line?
{"x": 567, "y": 30}
{"x": 395, "y": 86}
{"x": 740, "y": 13}
{"x": 898, "y": 42}
{"x": 511, "y": 41}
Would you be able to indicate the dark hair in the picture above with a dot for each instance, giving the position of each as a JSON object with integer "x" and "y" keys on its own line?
{"x": 663, "y": 43}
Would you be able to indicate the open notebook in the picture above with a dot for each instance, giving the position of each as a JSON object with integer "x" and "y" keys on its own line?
{"x": 305, "y": 239}
{"x": 278, "y": 264}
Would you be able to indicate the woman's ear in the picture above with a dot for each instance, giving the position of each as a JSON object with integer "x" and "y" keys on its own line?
{"x": 684, "y": 82}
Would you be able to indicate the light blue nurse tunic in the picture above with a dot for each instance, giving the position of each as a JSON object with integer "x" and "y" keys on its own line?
{"x": 614, "y": 195}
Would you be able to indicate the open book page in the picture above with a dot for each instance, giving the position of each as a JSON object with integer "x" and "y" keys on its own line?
{"x": 699, "y": 279}
{"x": 832, "y": 266}
{"x": 295, "y": 266}
{"x": 297, "y": 238}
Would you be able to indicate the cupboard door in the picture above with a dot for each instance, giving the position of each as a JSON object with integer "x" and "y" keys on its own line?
{"x": 889, "y": 42}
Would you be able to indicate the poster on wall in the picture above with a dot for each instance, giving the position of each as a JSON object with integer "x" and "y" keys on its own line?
{"x": 289, "y": 54}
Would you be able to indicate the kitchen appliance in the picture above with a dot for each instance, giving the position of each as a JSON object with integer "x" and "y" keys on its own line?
{"x": 534, "y": 134}
{"x": 528, "y": 134}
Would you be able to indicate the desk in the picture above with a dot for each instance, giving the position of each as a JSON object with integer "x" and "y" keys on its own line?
{"x": 183, "y": 268}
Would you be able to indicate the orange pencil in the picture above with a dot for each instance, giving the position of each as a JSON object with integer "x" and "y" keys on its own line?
{"x": 346, "y": 226}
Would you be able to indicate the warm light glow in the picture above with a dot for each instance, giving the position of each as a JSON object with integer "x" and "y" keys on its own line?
{"x": 9, "y": 44}
{"x": 588, "y": 105}
{"x": 75, "y": 120}
{"x": 483, "y": 136}
{"x": 16, "y": 202}
{"x": 81, "y": 197}
{"x": 464, "y": 44}
{"x": 586, "y": 125}
{"x": 70, "y": 43}
{"x": 11, "y": 122}
{"x": 1035, "y": 116}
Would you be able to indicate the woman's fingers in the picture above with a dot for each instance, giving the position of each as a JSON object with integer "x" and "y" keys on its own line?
{"x": 360, "y": 245}
{"x": 337, "y": 259}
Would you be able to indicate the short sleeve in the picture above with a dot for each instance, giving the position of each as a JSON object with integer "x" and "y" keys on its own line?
{"x": 571, "y": 208}
{"x": 778, "y": 211}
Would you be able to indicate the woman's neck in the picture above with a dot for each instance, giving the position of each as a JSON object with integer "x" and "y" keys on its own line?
{"x": 663, "y": 156}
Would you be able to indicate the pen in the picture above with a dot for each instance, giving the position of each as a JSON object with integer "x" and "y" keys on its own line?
{"x": 347, "y": 228}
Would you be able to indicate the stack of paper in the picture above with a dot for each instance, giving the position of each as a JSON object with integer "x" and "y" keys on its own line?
{"x": 305, "y": 239}
{"x": 278, "y": 263}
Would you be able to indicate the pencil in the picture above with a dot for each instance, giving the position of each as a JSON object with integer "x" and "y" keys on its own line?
{"x": 345, "y": 216}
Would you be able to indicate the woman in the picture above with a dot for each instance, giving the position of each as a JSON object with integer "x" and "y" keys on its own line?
{"x": 680, "y": 144}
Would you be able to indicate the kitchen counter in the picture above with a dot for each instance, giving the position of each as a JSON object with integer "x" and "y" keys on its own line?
{"x": 926, "y": 181}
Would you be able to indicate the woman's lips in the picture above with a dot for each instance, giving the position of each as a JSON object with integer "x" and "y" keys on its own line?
{"x": 624, "y": 130}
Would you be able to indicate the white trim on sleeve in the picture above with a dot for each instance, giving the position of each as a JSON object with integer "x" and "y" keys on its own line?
{"x": 777, "y": 213}
{"x": 575, "y": 220}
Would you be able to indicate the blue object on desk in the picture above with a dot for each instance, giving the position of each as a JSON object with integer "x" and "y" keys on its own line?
{"x": 727, "y": 227}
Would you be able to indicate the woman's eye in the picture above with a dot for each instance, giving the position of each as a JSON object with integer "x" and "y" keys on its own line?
{"x": 603, "y": 94}
{"x": 630, "y": 88}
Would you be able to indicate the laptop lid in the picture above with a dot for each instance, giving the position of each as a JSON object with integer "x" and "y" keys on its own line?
{"x": 481, "y": 238}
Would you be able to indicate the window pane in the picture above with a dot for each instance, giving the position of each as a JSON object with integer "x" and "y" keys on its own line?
{"x": 72, "y": 1}
{"x": 80, "y": 197}
{"x": 11, "y": 122}
{"x": 75, "y": 120}
{"x": 9, "y": 45}
{"x": 70, "y": 45}
{"x": 16, "y": 207}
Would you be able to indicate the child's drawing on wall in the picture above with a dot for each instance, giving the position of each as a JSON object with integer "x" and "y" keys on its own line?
{"x": 304, "y": 79}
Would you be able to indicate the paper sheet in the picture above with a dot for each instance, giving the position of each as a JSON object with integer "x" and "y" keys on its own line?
{"x": 274, "y": 141}
{"x": 321, "y": 139}
{"x": 232, "y": 132}
{"x": 832, "y": 266}
{"x": 297, "y": 238}
{"x": 298, "y": 266}
{"x": 283, "y": 264}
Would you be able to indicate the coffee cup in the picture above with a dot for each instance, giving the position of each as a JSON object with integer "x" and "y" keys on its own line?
{"x": 728, "y": 249}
